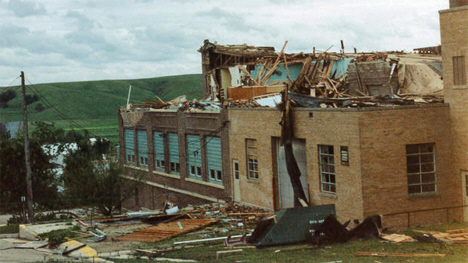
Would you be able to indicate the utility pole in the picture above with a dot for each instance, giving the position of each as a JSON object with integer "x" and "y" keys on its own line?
{"x": 26, "y": 154}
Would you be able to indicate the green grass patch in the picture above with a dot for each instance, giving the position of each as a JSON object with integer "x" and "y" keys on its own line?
{"x": 9, "y": 229}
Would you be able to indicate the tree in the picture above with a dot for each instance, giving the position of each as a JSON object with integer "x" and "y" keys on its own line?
{"x": 13, "y": 175}
{"x": 92, "y": 178}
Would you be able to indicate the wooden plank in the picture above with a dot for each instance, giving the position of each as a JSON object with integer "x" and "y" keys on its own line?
{"x": 166, "y": 230}
{"x": 250, "y": 75}
{"x": 275, "y": 65}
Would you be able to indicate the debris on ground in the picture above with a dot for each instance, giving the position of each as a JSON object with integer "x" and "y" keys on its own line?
{"x": 397, "y": 238}
{"x": 166, "y": 230}
{"x": 456, "y": 236}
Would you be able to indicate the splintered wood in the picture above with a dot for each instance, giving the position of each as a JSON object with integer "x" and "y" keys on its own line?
{"x": 166, "y": 230}
{"x": 397, "y": 238}
{"x": 457, "y": 236}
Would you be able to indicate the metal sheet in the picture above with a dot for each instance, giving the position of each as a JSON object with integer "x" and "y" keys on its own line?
{"x": 158, "y": 141}
{"x": 293, "y": 224}
{"x": 194, "y": 156}
{"x": 173, "y": 142}
{"x": 214, "y": 163}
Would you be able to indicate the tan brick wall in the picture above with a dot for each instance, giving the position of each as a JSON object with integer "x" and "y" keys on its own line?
{"x": 324, "y": 127}
{"x": 454, "y": 39}
{"x": 384, "y": 136}
{"x": 375, "y": 182}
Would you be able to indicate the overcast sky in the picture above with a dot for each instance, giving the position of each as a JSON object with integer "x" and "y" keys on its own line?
{"x": 80, "y": 40}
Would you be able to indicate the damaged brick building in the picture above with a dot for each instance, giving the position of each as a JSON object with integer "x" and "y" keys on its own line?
{"x": 371, "y": 133}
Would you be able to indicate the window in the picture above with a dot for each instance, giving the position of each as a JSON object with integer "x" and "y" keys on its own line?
{"x": 142, "y": 141}
{"x": 236, "y": 169}
{"x": 252, "y": 160}
{"x": 129, "y": 146}
{"x": 158, "y": 142}
{"x": 344, "y": 155}
{"x": 194, "y": 162}
{"x": 459, "y": 74}
{"x": 173, "y": 142}
{"x": 214, "y": 161}
{"x": 420, "y": 163}
{"x": 327, "y": 169}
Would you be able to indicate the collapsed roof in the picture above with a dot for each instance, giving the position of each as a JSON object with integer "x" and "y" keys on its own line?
{"x": 250, "y": 76}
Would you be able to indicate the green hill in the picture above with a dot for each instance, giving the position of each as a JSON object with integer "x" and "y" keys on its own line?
{"x": 93, "y": 105}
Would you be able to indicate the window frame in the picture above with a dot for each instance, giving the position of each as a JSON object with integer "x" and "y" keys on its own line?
{"x": 252, "y": 174}
{"x": 142, "y": 152}
{"x": 159, "y": 164}
{"x": 129, "y": 135}
{"x": 174, "y": 156}
{"x": 327, "y": 177}
{"x": 194, "y": 170}
{"x": 412, "y": 175}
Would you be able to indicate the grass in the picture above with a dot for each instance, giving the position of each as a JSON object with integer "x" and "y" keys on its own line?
{"x": 329, "y": 253}
{"x": 93, "y": 105}
{"x": 9, "y": 229}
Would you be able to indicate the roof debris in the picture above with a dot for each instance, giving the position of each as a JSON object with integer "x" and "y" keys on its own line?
{"x": 248, "y": 77}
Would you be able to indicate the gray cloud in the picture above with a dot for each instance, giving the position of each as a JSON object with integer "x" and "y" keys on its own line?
{"x": 25, "y": 8}
{"x": 77, "y": 40}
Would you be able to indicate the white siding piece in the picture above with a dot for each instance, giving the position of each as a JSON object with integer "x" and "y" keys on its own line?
{"x": 235, "y": 76}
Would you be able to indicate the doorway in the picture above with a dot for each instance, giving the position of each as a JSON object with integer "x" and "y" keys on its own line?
{"x": 285, "y": 190}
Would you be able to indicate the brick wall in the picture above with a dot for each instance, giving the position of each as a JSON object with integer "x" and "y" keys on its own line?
{"x": 335, "y": 128}
{"x": 375, "y": 181}
{"x": 454, "y": 35}
{"x": 166, "y": 121}
{"x": 384, "y": 136}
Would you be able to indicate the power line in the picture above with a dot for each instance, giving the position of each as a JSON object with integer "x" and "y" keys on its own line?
{"x": 61, "y": 114}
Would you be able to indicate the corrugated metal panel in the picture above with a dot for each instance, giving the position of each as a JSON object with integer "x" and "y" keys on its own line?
{"x": 129, "y": 146}
{"x": 214, "y": 163}
{"x": 158, "y": 141}
{"x": 142, "y": 145}
{"x": 173, "y": 141}
{"x": 194, "y": 156}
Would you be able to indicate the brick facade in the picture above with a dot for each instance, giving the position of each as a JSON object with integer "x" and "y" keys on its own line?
{"x": 454, "y": 35}
{"x": 207, "y": 123}
{"x": 375, "y": 180}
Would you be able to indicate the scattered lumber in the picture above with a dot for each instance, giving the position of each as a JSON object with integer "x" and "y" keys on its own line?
{"x": 397, "y": 238}
{"x": 456, "y": 236}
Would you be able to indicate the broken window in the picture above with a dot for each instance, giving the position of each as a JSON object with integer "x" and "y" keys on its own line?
{"x": 420, "y": 163}
{"x": 194, "y": 156}
{"x": 173, "y": 142}
{"x": 459, "y": 74}
{"x": 344, "y": 155}
{"x": 158, "y": 142}
{"x": 252, "y": 160}
{"x": 236, "y": 169}
{"x": 327, "y": 169}
{"x": 129, "y": 146}
{"x": 214, "y": 161}
{"x": 142, "y": 144}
